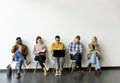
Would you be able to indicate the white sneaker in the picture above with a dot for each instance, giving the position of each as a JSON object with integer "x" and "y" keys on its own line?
{"x": 56, "y": 73}
{"x": 60, "y": 73}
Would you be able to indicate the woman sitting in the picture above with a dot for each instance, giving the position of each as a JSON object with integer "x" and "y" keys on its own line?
{"x": 94, "y": 55}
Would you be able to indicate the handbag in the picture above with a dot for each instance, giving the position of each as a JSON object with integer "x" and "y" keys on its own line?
{"x": 9, "y": 70}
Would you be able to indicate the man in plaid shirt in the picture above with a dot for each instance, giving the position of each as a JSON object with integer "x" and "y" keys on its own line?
{"x": 75, "y": 50}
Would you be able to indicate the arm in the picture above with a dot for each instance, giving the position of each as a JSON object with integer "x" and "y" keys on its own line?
{"x": 34, "y": 50}
{"x": 90, "y": 49}
{"x": 69, "y": 48}
{"x": 81, "y": 48}
{"x": 51, "y": 49}
{"x": 98, "y": 48}
{"x": 13, "y": 49}
{"x": 63, "y": 47}
{"x": 25, "y": 50}
{"x": 44, "y": 49}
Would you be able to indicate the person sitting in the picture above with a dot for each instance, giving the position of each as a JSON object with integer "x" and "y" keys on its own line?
{"x": 59, "y": 61}
{"x": 94, "y": 55}
{"x": 75, "y": 50}
{"x": 20, "y": 52}
{"x": 39, "y": 51}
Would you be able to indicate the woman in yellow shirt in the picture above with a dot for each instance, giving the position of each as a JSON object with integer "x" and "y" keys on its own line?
{"x": 57, "y": 45}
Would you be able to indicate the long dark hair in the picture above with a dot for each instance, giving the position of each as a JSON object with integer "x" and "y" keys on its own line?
{"x": 38, "y": 37}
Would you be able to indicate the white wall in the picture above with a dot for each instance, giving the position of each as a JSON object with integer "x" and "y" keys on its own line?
{"x": 67, "y": 18}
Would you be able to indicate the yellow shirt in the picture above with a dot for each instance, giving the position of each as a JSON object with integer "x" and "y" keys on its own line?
{"x": 56, "y": 46}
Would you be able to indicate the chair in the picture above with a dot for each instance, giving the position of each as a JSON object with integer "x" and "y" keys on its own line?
{"x": 15, "y": 65}
{"x": 53, "y": 65}
{"x": 36, "y": 65}
{"x": 72, "y": 65}
{"x": 53, "y": 68}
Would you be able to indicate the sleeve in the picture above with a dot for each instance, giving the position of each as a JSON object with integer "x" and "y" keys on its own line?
{"x": 69, "y": 48}
{"x": 99, "y": 51}
{"x": 51, "y": 49}
{"x": 98, "y": 48}
{"x": 13, "y": 49}
{"x": 46, "y": 48}
{"x": 81, "y": 48}
{"x": 90, "y": 49}
{"x": 63, "y": 47}
{"x": 26, "y": 51}
{"x": 34, "y": 50}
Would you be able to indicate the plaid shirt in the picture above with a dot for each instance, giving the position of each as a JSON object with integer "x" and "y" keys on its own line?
{"x": 75, "y": 47}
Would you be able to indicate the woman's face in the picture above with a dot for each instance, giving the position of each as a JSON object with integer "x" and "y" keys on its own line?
{"x": 94, "y": 40}
{"x": 57, "y": 40}
{"x": 39, "y": 41}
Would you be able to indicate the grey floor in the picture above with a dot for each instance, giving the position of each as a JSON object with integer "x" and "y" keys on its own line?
{"x": 107, "y": 76}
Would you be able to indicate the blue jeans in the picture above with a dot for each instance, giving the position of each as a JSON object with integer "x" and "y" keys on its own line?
{"x": 19, "y": 58}
{"x": 77, "y": 58}
{"x": 95, "y": 60}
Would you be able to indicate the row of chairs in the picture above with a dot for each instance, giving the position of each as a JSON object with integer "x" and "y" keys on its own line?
{"x": 72, "y": 66}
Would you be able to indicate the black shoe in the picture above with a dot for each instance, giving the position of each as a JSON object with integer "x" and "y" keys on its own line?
{"x": 18, "y": 76}
{"x": 97, "y": 73}
{"x": 99, "y": 70}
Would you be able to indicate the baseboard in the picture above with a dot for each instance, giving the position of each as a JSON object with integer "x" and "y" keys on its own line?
{"x": 67, "y": 69}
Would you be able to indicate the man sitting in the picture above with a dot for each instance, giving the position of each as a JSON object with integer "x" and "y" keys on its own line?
{"x": 20, "y": 51}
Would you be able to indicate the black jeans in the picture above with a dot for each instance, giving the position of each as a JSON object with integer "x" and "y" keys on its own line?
{"x": 41, "y": 59}
{"x": 77, "y": 58}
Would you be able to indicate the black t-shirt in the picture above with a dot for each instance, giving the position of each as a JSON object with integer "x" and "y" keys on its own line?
{"x": 93, "y": 47}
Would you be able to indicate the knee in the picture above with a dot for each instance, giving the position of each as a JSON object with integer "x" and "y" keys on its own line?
{"x": 20, "y": 60}
{"x": 78, "y": 56}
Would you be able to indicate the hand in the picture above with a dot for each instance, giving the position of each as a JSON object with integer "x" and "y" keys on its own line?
{"x": 90, "y": 49}
{"x": 74, "y": 53}
{"x": 36, "y": 53}
{"x": 43, "y": 50}
{"x": 98, "y": 53}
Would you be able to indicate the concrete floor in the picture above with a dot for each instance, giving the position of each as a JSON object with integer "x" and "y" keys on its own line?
{"x": 107, "y": 76}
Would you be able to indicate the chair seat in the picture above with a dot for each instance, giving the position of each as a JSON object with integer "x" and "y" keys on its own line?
{"x": 72, "y": 65}
{"x": 72, "y": 60}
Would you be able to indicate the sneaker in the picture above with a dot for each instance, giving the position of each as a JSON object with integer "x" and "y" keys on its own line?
{"x": 56, "y": 73}
{"x": 59, "y": 73}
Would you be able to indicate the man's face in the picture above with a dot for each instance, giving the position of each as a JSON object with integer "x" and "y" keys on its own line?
{"x": 19, "y": 41}
{"x": 77, "y": 40}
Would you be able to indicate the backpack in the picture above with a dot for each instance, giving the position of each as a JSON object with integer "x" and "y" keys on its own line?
{"x": 9, "y": 70}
